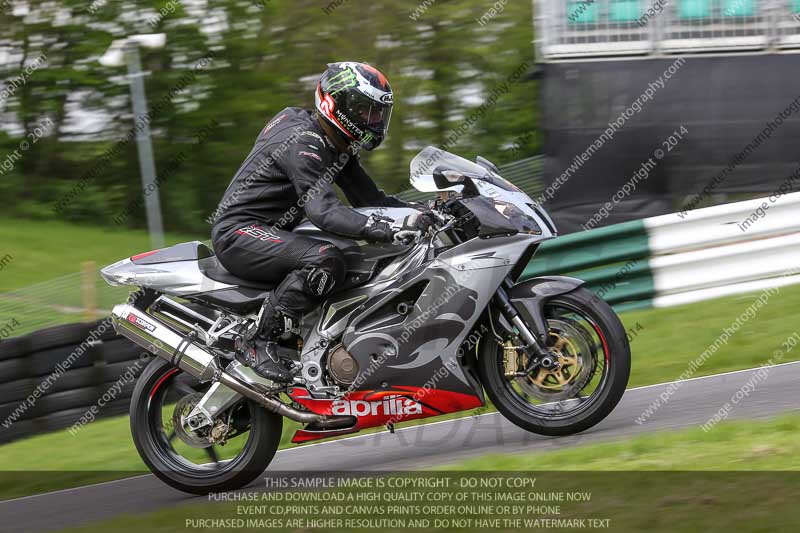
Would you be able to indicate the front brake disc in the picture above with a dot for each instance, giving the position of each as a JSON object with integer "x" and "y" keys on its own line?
{"x": 575, "y": 368}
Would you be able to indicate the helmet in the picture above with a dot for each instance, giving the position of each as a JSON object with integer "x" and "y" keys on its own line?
{"x": 356, "y": 99}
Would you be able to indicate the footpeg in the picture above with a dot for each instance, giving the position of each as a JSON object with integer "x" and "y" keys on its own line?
{"x": 262, "y": 356}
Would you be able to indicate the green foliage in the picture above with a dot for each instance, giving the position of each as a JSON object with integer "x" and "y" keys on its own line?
{"x": 266, "y": 56}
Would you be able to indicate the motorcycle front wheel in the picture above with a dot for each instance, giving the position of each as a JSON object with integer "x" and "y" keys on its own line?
{"x": 242, "y": 444}
{"x": 594, "y": 360}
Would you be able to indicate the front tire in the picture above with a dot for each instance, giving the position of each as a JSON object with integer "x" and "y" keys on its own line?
{"x": 560, "y": 403}
{"x": 201, "y": 470}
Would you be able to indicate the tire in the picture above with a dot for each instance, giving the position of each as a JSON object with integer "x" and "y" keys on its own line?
{"x": 15, "y": 391}
{"x": 265, "y": 435}
{"x": 616, "y": 371}
{"x": 18, "y": 430}
{"x": 45, "y": 362}
{"x": 59, "y": 336}
{"x": 14, "y": 369}
{"x": 115, "y": 371}
{"x": 104, "y": 330}
{"x": 14, "y": 347}
{"x": 118, "y": 350}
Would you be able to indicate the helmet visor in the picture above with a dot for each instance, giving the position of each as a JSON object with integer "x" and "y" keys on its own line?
{"x": 368, "y": 114}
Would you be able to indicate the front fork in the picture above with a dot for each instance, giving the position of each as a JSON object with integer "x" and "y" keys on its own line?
{"x": 536, "y": 339}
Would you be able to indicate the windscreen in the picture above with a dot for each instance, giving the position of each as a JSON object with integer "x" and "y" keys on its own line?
{"x": 431, "y": 158}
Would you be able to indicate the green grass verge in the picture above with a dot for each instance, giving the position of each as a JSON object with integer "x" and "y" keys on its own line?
{"x": 42, "y": 262}
{"x": 723, "y": 498}
{"x": 729, "y": 446}
{"x": 42, "y": 250}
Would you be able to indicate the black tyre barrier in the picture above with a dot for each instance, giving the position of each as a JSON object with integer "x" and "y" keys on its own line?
{"x": 13, "y": 369}
{"x": 112, "y": 372}
{"x": 19, "y": 430}
{"x": 71, "y": 379}
{"x": 59, "y": 374}
{"x": 7, "y": 410}
{"x": 14, "y": 347}
{"x": 58, "y": 336}
{"x": 15, "y": 391}
{"x": 103, "y": 330}
{"x": 120, "y": 349}
{"x": 64, "y": 358}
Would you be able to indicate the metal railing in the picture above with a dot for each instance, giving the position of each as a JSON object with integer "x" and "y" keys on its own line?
{"x": 706, "y": 25}
{"x": 595, "y": 28}
{"x": 590, "y": 27}
{"x": 787, "y": 24}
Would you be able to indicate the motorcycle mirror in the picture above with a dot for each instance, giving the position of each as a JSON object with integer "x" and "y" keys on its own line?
{"x": 488, "y": 165}
{"x": 445, "y": 178}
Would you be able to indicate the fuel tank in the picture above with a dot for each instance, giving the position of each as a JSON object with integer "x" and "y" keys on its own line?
{"x": 363, "y": 258}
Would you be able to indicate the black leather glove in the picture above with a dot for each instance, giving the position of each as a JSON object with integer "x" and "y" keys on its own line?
{"x": 426, "y": 220}
{"x": 421, "y": 221}
{"x": 413, "y": 227}
{"x": 378, "y": 229}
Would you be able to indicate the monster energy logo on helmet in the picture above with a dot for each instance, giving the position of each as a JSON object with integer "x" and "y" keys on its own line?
{"x": 346, "y": 79}
{"x": 357, "y": 100}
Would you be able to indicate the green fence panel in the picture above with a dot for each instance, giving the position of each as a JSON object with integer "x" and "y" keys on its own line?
{"x": 691, "y": 9}
{"x": 589, "y": 249}
{"x": 582, "y": 12}
{"x": 625, "y": 10}
{"x": 613, "y": 261}
{"x": 739, "y": 8}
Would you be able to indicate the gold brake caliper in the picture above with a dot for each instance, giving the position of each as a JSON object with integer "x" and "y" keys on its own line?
{"x": 511, "y": 359}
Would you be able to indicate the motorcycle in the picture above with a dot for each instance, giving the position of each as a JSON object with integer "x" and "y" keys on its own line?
{"x": 417, "y": 330}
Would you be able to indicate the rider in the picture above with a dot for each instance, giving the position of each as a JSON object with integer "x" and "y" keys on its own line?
{"x": 289, "y": 174}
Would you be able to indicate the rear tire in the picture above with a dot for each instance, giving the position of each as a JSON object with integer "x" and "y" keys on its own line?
{"x": 616, "y": 371}
{"x": 253, "y": 459}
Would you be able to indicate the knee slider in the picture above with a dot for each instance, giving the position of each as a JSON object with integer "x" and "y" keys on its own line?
{"x": 325, "y": 271}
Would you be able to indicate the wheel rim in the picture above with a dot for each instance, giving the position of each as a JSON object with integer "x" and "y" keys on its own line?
{"x": 576, "y": 386}
{"x": 164, "y": 407}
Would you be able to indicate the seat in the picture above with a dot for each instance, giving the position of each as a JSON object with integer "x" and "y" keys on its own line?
{"x": 213, "y": 269}
{"x": 240, "y": 300}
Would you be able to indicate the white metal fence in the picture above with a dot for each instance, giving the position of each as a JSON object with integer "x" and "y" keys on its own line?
{"x": 592, "y": 28}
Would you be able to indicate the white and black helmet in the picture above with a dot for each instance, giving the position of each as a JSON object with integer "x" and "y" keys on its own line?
{"x": 356, "y": 99}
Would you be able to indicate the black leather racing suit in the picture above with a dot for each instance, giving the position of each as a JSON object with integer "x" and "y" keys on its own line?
{"x": 290, "y": 174}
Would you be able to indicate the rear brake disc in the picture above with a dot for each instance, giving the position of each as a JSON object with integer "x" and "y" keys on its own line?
{"x": 182, "y": 409}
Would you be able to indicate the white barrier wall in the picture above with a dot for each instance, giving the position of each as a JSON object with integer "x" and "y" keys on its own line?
{"x": 727, "y": 249}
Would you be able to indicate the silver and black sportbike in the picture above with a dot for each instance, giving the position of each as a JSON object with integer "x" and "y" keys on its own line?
{"x": 417, "y": 330}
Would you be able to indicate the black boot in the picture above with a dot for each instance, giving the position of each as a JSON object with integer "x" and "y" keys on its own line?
{"x": 259, "y": 349}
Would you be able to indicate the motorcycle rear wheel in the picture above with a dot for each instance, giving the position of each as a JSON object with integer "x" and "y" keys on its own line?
{"x": 595, "y": 354}
{"x": 159, "y": 387}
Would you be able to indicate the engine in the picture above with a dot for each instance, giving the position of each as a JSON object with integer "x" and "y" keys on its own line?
{"x": 342, "y": 367}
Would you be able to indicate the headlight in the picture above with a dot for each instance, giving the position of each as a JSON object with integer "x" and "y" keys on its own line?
{"x": 524, "y": 223}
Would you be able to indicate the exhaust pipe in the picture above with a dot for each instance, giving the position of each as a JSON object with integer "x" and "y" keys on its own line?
{"x": 158, "y": 338}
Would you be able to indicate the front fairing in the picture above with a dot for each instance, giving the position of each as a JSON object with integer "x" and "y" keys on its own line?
{"x": 487, "y": 181}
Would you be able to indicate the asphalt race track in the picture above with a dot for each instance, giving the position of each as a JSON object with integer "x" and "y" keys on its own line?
{"x": 693, "y": 404}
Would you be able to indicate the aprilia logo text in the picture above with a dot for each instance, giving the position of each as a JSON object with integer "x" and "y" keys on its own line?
{"x": 394, "y": 405}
